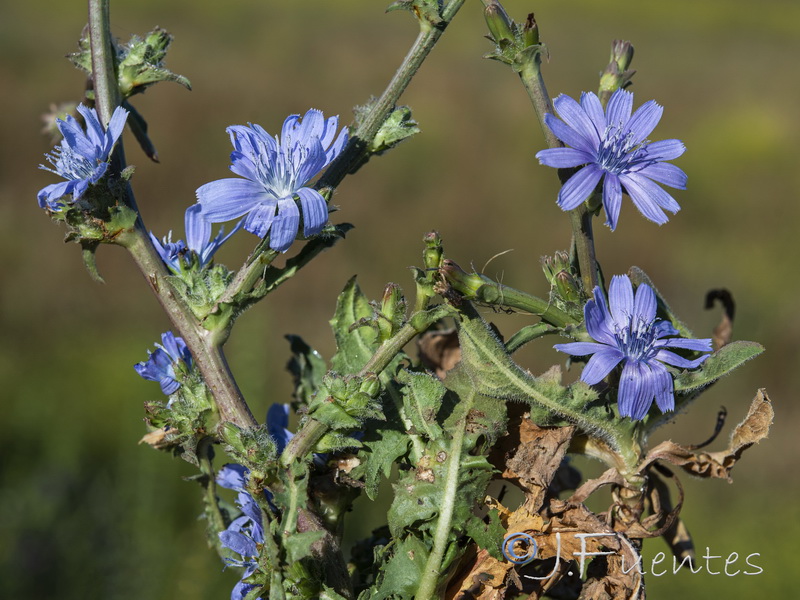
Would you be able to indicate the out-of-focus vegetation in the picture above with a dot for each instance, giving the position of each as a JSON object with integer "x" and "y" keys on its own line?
{"x": 87, "y": 513}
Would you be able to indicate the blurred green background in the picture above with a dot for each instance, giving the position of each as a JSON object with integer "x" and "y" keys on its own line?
{"x": 87, "y": 513}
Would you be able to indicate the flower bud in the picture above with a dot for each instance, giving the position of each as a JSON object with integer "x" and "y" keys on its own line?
{"x": 530, "y": 31}
{"x": 469, "y": 284}
{"x": 616, "y": 75}
{"x": 432, "y": 255}
{"x": 371, "y": 385}
{"x": 500, "y": 25}
{"x": 392, "y": 312}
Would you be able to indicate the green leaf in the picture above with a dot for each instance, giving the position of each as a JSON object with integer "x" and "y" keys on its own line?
{"x": 298, "y": 545}
{"x": 489, "y": 368}
{"x": 355, "y": 344}
{"x": 720, "y": 363}
{"x": 422, "y": 400}
{"x": 384, "y": 443}
{"x": 402, "y": 573}
{"x": 488, "y": 536}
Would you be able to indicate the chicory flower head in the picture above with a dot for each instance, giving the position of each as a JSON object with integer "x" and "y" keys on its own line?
{"x": 613, "y": 147}
{"x": 630, "y": 333}
{"x": 160, "y": 365}
{"x": 81, "y": 158}
{"x": 198, "y": 232}
{"x": 245, "y": 534}
{"x": 275, "y": 170}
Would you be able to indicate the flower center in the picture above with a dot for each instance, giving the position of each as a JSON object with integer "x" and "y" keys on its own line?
{"x": 69, "y": 164}
{"x": 636, "y": 339}
{"x": 616, "y": 150}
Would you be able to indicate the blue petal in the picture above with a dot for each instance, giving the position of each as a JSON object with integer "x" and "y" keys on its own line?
{"x": 198, "y": 230}
{"x": 665, "y": 173}
{"x": 665, "y": 150}
{"x": 261, "y": 218}
{"x": 169, "y": 385}
{"x": 315, "y": 211}
{"x": 642, "y": 199}
{"x": 643, "y": 121}
{"x": 636, "y": 390}
{"x": 48, "y": 195}
{"x": 573, "y": 115}
{"x": 563, "y": 158}
{"x": 601, "y": 364}
{"x": 701, "y": 345}
{"x": 591, "y": 104}
{"x": 285, "y": 225}
{"x": 620, "y": 298}
{"x": 336, "y": 149}
{"x": 645, "y": 306}
{"x": 115, "y": 126}
{"x": 233, "y": 476}
{"x": 598, "y": 319}
{"x": 612, "y": 199}
{"x": 673, "y": 359}
{"x": 568, "y": 135}
{"x": 662, "y": 382}
{"x": 277, "y": 423}
{"x": 579, "y": 187}
{"x": 619, "y": 108}
{"x": 228, "y": 199}
{"x": 239, "y": 543}
{"x": 580, "y": 348}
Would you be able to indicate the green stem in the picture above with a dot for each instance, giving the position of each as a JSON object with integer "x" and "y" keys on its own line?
{"x": 382, "y": 108}
{"x": 204, "y": 345}
{"x": 205, "y": 348}
{"x": 304, "y": 441}
{"x": 580, "y": 218}
{"x": 106, "y": 88}
{"x": 247, "y": 277}
{"x": 432, "y": 572}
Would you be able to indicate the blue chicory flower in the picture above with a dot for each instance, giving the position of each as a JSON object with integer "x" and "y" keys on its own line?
{"x": 613, "y": 147}
{"x": 630, "y": 333}
{"x": 245, "y": 534}
{"x": 160, "y": 365}
{"x": 81, "y": 158}
{"x": 275, "y": 170}
{"x": 198, "y": 234}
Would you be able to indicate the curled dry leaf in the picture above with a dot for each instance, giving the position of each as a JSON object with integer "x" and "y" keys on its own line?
{"x": 752, "y": 430}
{"x": 539, "y": 455}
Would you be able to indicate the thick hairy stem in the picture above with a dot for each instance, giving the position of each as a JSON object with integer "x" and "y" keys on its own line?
{"x": 205, "y": 347}
{"x": 383, "y": 107}
{"x": 206, "y": 351}
{"x": 580, "y": 218}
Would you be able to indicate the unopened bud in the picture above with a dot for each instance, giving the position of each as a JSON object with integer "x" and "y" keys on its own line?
{"x": 530, "y": 31}
{"x": 617, "y": 74}
{"x": 392, "y": 312}
{"x": 469, "y": 284}
{"x": 500, "y": 25}
{"x": 432, "y": 256}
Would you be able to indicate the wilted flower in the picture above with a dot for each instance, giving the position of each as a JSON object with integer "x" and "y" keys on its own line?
{"x": 245, "y": 534}
{"x": 160, "y": 365}
{"x": 198, "y": 232}
{"x": 630, "y": 333}
{"x": 81, "y": 158}
{"x": 613, "y": 147}
{"x": 275, "y": 170}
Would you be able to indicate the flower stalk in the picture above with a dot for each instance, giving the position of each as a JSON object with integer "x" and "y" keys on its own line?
{"x": 530, "y": 73}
